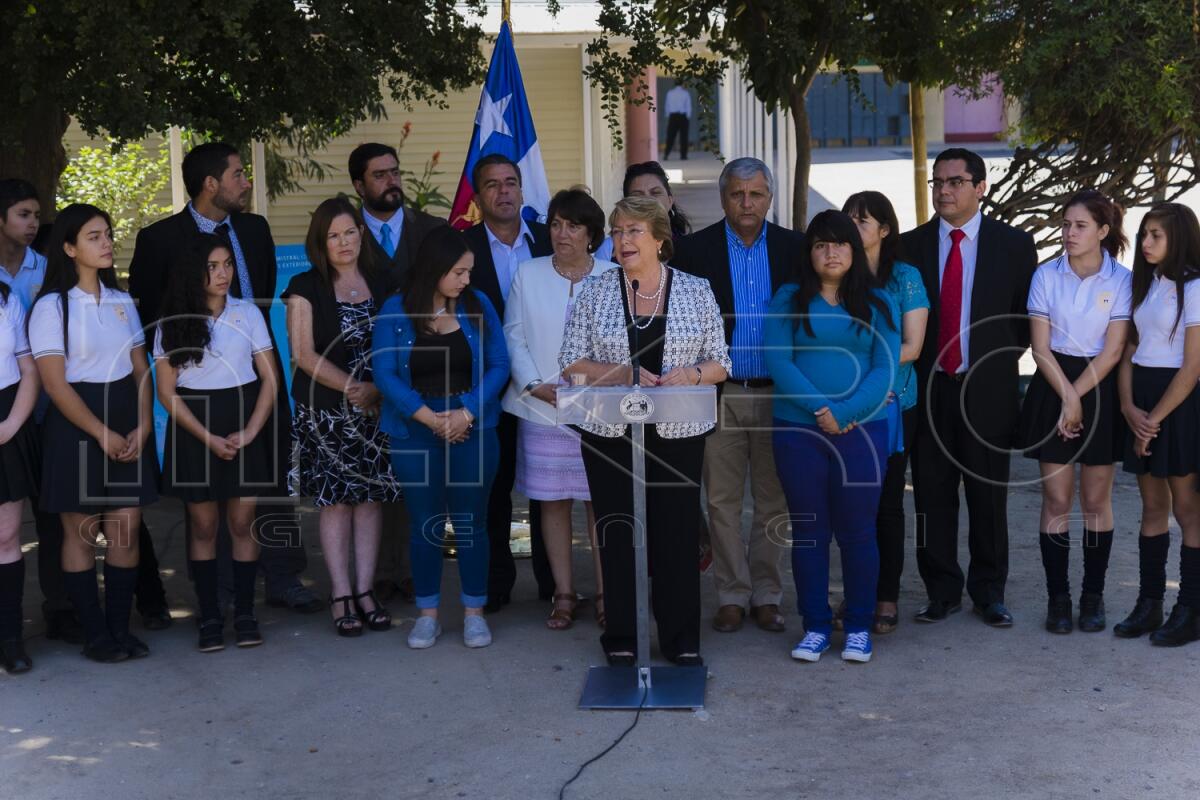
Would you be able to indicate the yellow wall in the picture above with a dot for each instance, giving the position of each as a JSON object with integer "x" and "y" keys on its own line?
{"x": 553, "y": 84}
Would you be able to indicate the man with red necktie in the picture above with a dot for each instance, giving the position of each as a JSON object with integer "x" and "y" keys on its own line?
{"x": 977, "y": 273}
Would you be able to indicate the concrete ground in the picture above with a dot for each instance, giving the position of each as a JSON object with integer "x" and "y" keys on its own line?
{"x": 951, "y": 710}
{"x": 946, "y": 711}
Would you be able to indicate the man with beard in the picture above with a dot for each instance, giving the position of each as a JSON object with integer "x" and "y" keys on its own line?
{"x": 215, "y": 180}
{"x": 396, "y": 232}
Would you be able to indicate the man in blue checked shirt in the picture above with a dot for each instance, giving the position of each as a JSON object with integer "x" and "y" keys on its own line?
{"x": 745, "y": 259}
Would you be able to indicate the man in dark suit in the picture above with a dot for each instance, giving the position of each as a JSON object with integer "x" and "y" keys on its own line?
{"x": 215, "y": 181}
{"x": 745, "y": 259}
{"x": 977, "y": 273}
{"x": 500, "y": 243}
{"x": 395, "y": 235}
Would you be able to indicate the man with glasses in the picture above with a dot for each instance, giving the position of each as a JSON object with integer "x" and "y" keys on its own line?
{"x": 977, "y": 273}
{"x": 745, "y": 259}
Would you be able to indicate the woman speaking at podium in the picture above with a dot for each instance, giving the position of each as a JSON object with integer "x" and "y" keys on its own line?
{"x": 674, "y": 319}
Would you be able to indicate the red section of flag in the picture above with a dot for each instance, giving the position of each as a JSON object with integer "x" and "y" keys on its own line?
{"x": 464, "y": 213}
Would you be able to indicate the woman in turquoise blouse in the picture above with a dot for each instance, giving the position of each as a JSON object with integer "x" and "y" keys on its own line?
{"x": 872, "y": 212}
{"x": 832, "y": 341}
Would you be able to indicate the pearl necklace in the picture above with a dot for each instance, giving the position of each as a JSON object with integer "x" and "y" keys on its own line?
{"x": 568, "y": 275}
{"x": 662, "y": 281}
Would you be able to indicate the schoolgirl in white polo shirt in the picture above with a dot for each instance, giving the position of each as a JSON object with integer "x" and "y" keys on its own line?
{"x": 99, "y": 465}
{"x": 1079, "y": 320}
{"x": 1161, "y": 403}
{"x": 19, "y": 459}
{"x": 217, "y": 380}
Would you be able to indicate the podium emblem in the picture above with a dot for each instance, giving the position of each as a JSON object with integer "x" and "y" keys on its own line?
{"x": 636, "y": 407}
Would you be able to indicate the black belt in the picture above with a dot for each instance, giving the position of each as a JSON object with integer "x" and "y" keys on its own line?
{"x": 753, "y": 383}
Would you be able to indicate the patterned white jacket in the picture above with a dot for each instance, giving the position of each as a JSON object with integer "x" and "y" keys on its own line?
{"x": 695, "y": 333}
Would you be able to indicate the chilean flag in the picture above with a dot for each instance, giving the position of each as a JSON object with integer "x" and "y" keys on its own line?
{"x": 503, "y": 125}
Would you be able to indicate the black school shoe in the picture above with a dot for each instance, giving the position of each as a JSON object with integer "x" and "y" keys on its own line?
{"x": 13, "y": 657}
{"x": 105, "y": 651}
{"x": 1058, "y": 614}
{"x": 245, "y": 630}
{"x": 1179, "y": 629}
{"x": 1147, "y": 616}
{"x": 1091, "y": 613}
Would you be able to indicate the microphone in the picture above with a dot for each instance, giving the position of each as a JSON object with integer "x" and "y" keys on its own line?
{"x": 637, "y": 366}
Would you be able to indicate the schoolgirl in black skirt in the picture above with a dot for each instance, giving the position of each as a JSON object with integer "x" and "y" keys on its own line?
{"x": 1079, "y": 319}
{"x": 18, "y": 472}
{"x": 1161, "y": 404}
{"x": 98, "y": 456}
{"x": 217, "y": 380}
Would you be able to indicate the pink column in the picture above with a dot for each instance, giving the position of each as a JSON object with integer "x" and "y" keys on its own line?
{"x": 641, "y": 123}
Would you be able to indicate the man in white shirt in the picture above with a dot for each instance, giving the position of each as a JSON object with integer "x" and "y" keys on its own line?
{"x": 679, "y": 117}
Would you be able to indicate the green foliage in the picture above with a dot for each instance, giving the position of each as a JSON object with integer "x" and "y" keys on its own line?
{"x": 124, "y": 181}
{"x": 1109, "y": 92}
{"x": 421, "y": 191}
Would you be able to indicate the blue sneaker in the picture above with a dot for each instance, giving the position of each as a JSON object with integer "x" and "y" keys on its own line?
{"x": 811, "y": 647}
{"x": 858, "y": 647}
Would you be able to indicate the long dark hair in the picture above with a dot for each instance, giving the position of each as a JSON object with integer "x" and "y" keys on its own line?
{"x": 1104, "y": 212}
{"x": 876, "y": 206}
{"x": 1182, "y": 262}
{"x": 316, "y": 241}
{"x": 185, "y": 315}
{"x": 436, "y": 256}
{"x": 857, "y": 289}
{"x": 680, "y": 224}
{"x": 61, "y": 272}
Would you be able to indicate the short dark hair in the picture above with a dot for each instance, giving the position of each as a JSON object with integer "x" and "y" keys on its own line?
{"x": 208, "y": 160}
{"x": 13, "y": 191}
{"x": 974, "y": 161}
{"x": 489, "y": 160}
{"x": 359, "y": 156}
{"x": 1105, "y": 212}
{"x": 578, "y": 207}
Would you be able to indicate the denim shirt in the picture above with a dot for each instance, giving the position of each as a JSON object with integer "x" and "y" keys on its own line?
{"x": 392, "y": 346}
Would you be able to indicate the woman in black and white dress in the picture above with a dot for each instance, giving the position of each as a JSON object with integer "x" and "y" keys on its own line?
{"x": 340, "y": 457}
{"x": 99, "y": 466}
{"x": 1161, "y": 404}
{"x": 18, "y": 471}
{"x": 217, "y": 380}
{"x": 1079, "y": 320}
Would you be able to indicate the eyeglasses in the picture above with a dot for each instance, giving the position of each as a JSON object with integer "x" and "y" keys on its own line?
{"x": 628, "y": 233}
{"x": 954, "y": 183}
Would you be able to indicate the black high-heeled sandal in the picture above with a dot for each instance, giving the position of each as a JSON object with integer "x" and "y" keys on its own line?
{"x": 379, "y": 619}
{"x": 349, "y": 624}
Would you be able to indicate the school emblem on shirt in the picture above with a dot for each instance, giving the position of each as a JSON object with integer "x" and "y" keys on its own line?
{"x": 636, "y": 406}
{"x": 121, "y": 315}
{"x": 1104, "y": 300}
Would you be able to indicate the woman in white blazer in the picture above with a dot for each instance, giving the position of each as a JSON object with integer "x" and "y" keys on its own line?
{"x": 549, "y": 463}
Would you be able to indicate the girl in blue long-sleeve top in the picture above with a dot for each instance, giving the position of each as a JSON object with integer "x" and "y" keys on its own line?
{"x": 440, "y": 362}
{"x": 832, "y": 344}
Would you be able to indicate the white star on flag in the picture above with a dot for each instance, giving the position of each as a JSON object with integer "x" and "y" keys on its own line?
{"x": 491, "y": 117}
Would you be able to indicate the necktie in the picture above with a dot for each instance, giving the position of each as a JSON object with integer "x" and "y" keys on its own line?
{"x": 235, "y": 287}
{"x": 950, "y": 308}
{"x": 385, "y": 240}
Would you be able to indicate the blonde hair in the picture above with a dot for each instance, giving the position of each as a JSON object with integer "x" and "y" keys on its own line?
{"x": 647, "y": 209}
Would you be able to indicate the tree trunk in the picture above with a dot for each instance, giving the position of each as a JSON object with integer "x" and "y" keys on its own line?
{"x": 798, "y": 104}
{"x": 916, "y": 121}
{"x": 38, "y": 154}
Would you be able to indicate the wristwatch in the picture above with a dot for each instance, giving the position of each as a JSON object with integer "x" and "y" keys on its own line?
{"x": 533, "y": 384}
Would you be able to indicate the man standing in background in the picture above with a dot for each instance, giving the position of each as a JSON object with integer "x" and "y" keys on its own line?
{"x": 679, "y": 118}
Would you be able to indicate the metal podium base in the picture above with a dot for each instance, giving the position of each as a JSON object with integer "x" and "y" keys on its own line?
{"x": 620, "y": 688}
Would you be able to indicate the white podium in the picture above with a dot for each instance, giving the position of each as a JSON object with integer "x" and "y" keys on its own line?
{"x": 640, "y": 686}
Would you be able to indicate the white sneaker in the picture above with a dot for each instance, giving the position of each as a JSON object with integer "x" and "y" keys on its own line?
{"x": 476, "y": 632}
{"x": 811, "y": 647}
{"x": 424, "y": 633}
{"x": 858, "y": 647}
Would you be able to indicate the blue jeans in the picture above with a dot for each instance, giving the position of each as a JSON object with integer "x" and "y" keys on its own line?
{"x": 832, "y": 485}
{"x": 447, "y": 482}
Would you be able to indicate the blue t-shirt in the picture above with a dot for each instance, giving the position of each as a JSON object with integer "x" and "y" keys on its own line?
{"x": 908, "y": 291}
{"x": 844, "y": 365}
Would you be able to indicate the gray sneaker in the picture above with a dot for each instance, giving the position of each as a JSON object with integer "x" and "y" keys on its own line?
{"x": 476, "y": 632}
{"x": 424, "y": 633}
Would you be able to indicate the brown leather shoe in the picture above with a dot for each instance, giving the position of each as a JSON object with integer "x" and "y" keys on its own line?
{"x": 729, "y": 619}
{"x": 768, "y": 617}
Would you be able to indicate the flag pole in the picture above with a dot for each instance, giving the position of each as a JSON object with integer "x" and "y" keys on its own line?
{"x": 506, "y": 11}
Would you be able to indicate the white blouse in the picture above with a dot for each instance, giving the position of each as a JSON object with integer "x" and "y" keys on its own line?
{"x": 238, "y": 334}
{"x": 535, "y": 315}
{"x": 1079, "y": 311}
{"x": 13, "y": 342}
{"x": 1155, "y": 317}
{"x": 100, "y": 335}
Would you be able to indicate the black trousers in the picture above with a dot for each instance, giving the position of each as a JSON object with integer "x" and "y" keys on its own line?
{"x": 889, "y": 522}
{"x": 502, "y": 568}
{"x": 948, "y": 452}
{"x": 677, "y": 125}
{"x": 673, "y": 471}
